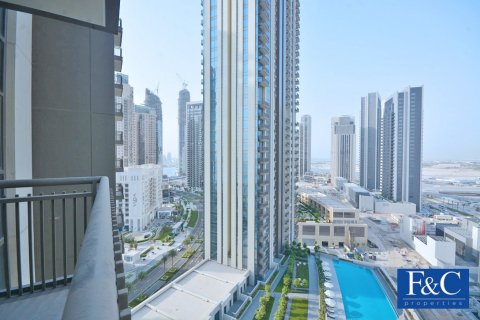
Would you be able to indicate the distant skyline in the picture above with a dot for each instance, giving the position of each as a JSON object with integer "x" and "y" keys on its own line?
{"x": 347, "y": 49}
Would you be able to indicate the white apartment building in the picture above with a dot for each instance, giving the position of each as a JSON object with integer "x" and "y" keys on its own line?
{"x": 142, "y": 195}
{"x": 343, "y": 147}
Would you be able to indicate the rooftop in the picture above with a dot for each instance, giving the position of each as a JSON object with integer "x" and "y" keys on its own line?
{"x": 355, "y": 187}
{"x": 195, "y": 295}
{"x": 331, "y": 202}
{"x": 458, "y": 230}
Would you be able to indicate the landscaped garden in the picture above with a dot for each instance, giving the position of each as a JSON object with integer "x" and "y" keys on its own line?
{"x": 164, "y": 234}
{"x": 188, "y": 253}
{"x": 193, "y": 219}
{"x": 169, "y": 274}
{"x": 301, "y": 275}
{"x": 135, "y": 302}
{"x": 321, "y": 284}
{"x": 306, "y": 212}
{"x": 266, "y": 304}
{"x": 299, "y": 309}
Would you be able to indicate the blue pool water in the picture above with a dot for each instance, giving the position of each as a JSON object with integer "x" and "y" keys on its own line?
{"x": 363, "y": 297}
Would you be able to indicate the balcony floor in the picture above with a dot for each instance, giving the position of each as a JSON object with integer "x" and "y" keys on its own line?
{"x": 46, "y": 304}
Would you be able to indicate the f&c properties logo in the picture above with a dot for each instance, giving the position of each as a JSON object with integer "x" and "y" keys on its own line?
{"x": 432, "y": 288}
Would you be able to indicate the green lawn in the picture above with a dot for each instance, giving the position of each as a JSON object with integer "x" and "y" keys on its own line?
{"x": 279, "y": 286}
{"x": 268, "y": 310}
{"x": 299, "y": 310}
{"x": 167, "y": 275}
{"x": 302, "y": 270}
{"x": 193, "y": 219}
{"x": 164, "y": 233}
{"x": 188, "y": 254}
{"x": 137, "y": 300}
{"x": 269, "y": 307}
{"x": 272, "y": 278}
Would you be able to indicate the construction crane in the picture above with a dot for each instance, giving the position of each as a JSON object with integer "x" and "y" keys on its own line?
{"x": 184, "y": 83}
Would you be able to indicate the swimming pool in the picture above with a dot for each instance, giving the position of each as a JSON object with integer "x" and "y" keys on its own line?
{"x": 362, "y": 295}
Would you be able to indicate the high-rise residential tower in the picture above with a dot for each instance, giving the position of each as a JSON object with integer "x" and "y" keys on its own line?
{"x": 370, "y": 141}
{"x": 305, "y": 144}
{"x": 343, "y": 147}
{"x": 153, "y": 101}
{"x": 129, "y": 133}
{"x": 250, "y": 60}
{"x": 183, "y": 98}
{"x": 402, "y": 146}
{"x": 146, "y": 124}
{"x": 195, "y": 145}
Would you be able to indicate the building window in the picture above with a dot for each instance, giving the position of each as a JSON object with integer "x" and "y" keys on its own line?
{"x": 2, "y": 87}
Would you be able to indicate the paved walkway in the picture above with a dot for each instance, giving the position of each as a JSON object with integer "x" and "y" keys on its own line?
{"x": 289, "y": 307}
{"x": 313, "y": 290}
{"x": 249, "y": 314}
{"x": 339, "y": 310}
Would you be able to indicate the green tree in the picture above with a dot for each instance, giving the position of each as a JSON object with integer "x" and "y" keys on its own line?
{"x": 164, "y": 260}
{"x": 296, "y": 282}
{"x": 267, "y": 287}
{"x": 172, "y": 253}
{"x": 141, "y": 275}
{"x": 261, "y": 313}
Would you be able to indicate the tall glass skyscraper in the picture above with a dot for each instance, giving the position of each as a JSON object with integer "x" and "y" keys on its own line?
{"x": 343, "y": 147}
{"x": 370, "y": 141}
{"x": 183, "y": 99}
{"x": 402, "y": 146}
{"x": 250, "y": 59}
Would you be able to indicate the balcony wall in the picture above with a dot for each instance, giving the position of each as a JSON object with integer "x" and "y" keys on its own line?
{"x": 73, "y": 122}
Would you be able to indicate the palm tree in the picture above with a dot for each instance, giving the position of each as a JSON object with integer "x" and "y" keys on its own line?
{"x": 164, "y": 260}
{"x": 172, "y": 254}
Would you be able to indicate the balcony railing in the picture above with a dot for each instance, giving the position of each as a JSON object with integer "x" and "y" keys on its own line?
{"x": 59, "y": 241}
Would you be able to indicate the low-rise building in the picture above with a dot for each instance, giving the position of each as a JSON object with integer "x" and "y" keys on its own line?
{"x": 333, "y": 234}
{"x": 210, "y": 290}
{"x": 141, "y": 188}
{"x": 437, "y": 250}
{"x": 353, "y": 192}
{"x": 379, "y": 205}
{"x": 466, "y": 237}
{"x": 339, "y": 226}
{"x": 338, "y": 182}
{"x": 332, "y": 210}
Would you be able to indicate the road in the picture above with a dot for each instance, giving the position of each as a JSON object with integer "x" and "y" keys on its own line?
{"x": 152, "y": 283}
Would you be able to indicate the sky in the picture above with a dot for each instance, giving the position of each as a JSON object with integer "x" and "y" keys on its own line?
{"x": 347, "y": 49}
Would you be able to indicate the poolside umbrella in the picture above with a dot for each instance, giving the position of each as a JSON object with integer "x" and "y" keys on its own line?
{"x": 328, "y": 274}
{"x": 330, "y": 302}
{"x": 328, "y": 285}
{"x": 330, "y": 293}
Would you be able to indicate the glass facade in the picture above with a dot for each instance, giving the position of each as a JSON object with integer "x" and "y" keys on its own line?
{"x": 2, "y": 112}
{"x": 213, "y": 141}
{"x": 245, "y": 138}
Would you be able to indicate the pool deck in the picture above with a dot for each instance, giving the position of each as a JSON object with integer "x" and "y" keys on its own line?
{"x": 340, "y": 309}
